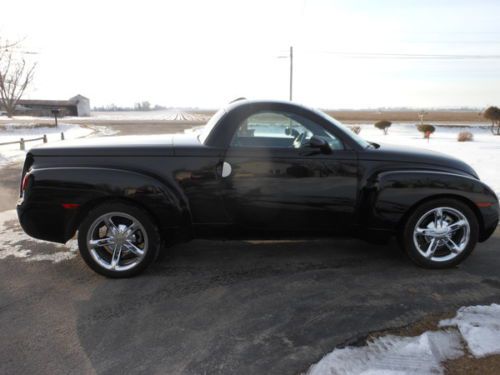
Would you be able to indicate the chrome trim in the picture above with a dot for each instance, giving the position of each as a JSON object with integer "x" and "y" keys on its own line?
{"x": 226, "y": 169}
{"x": 441, "y": 234}
{"x": 117, "y": 241}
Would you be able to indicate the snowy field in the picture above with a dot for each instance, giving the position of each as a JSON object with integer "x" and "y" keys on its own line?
{"x": 482, "y": 154}
{"x": 475, "y": 329}
{"x": 168, "y": 115}
{"x": 161, "y": 115}
{"x": 12, "y": 153}
{"x": 14, "y": 243}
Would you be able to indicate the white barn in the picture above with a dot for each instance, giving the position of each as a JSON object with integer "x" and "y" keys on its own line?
{"x": 82, "y": 105}
{"x": 78, "y": 105}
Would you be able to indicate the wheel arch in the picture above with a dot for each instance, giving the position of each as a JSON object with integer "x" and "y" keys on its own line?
{"x": 389, "y": 197}
{"x": 84, "y": 188}
{"x": 92, "y": 204}
{"x": 169, "y": 234}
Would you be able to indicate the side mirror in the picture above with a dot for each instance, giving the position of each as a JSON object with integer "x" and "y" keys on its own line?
{"x": 293, "y": 132}
{"x": 321, "y": 144}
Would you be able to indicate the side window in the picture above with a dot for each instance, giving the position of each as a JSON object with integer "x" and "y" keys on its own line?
{"x": 280, "y": 130}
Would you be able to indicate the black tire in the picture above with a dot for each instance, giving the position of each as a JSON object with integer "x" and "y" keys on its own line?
{"x": 141, "y": 216}
{"x": 406, "y": 237}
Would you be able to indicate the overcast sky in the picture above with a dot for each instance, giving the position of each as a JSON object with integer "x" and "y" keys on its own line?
{"x": 348, "y": 54}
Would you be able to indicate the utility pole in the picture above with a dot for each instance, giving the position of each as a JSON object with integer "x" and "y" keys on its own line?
{"x": 290, "y": 56}
{"x": 291, "y": 73}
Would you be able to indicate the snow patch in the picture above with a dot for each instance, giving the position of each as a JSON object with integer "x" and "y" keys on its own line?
{"x": 165, "y": 114}
{"x": 168, "y": 115}
{"x": 12, "y": 153}
{"x": 195, "y": 130}
{"x": 480, "y": 328}
{"x": 15, "y": 243}
{"x": 393, "y": 355}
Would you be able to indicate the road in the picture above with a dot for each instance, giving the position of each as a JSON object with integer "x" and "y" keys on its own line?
{"x": 218, "y": 307}
{"x": 215, "y": 307}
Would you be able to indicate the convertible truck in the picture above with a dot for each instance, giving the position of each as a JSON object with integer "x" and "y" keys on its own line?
{"x": 258, "y": 169}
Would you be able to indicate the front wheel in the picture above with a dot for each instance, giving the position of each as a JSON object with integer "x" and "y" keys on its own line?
{"x": 440, "y": 233}
{"x": 118, "y": 240}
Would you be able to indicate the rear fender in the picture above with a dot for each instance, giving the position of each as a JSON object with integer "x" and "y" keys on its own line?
{"x": 84, "y": 187}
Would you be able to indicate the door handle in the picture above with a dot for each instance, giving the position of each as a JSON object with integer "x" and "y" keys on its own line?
{"x": 224, "y": 169}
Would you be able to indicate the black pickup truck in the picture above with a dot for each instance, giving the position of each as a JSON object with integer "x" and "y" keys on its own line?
{"x": 258, "y": 169}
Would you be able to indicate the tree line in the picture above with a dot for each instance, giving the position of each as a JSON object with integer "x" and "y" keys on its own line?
{"x": 139, "y": 106}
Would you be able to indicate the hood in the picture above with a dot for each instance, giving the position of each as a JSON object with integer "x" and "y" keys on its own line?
{"x": 419, "y": 156}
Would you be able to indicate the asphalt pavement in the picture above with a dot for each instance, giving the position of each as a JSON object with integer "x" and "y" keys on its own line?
{"x": 220, "y": 307}
{"x": 215, "y": 307}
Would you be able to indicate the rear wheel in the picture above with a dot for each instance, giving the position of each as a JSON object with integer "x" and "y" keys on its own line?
{"x": 118, "y": 240}
{"x": 440, "y": 233}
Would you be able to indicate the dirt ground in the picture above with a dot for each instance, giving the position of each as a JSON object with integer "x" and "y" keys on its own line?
{"x": 468, "y": 365}
{"x": 350, "y": 116}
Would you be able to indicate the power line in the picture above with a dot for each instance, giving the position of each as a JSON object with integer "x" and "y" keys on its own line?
{"x": 411, "y": 55}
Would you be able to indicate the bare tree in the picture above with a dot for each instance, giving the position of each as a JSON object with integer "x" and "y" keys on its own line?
{"x": 421, "y": 116}
{"x": 16, "y": 74}
{"x": 493, "y": 114}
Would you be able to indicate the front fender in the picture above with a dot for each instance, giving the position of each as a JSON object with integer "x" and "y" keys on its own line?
{"x": 389, "y": 196}
{"x": 50, "y": 188}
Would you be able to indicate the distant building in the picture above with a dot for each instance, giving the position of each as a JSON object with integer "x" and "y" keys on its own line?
{"x": 78, "y": 105}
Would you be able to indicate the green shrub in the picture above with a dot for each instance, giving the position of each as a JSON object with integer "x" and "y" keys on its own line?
{"x": 383, "y": 125}
{"x": 426, "y": 130}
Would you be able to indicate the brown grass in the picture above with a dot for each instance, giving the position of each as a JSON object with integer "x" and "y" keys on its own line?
{"x": 468, "y": 365}
{"x": 353, "y": 116}
{"x": 408, "y": 115}
{"x": 347, "y": 116}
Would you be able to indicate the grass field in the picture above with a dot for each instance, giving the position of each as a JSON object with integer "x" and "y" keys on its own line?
{"x": 352, "y": 116}
{"x": 197, "y": 117}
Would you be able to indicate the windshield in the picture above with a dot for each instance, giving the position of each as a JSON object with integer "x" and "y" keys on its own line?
{"x": 360, "y": 141}
{"x": 210, "y": 125}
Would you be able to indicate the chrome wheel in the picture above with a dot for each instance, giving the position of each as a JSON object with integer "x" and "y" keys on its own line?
{"x": 117, "y": 241}
{"x": 441, "y": 234}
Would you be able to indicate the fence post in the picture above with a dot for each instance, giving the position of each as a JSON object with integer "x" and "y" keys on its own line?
{"x": 45, "y": 138}
{"x": 21, "y": 142}
{"x": 62, "y": 136}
